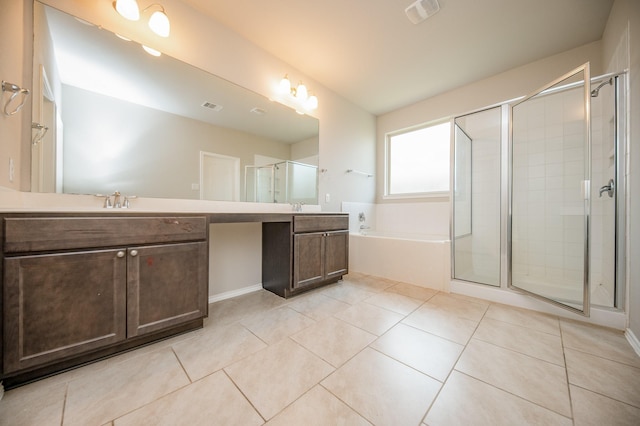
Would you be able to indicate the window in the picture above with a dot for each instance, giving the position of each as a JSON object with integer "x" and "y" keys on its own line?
{"x": 418, "y": 162}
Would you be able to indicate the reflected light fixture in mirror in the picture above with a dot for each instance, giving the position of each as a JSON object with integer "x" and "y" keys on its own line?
{"x": 158, "y": 21}
{"x": 299, "y": 94}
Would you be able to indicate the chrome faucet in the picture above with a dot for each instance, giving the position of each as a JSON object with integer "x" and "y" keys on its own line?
{"x": 297, "y": 207}
{"x": 119, "y": 201}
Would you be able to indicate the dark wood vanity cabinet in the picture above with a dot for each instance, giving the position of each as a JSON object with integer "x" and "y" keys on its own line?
{"x": 78, "y": 286}
{"x": 317, "y": 250}
{"x": 166, "y": 286}
{"x": 60, "y": 305}
{"x": 319, "y": 257}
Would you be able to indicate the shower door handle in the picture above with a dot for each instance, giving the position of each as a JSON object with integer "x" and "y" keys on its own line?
{"x": 609, "y": 189}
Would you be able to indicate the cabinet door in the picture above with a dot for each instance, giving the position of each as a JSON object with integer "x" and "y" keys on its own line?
{"x": 167, "y": 286}
{"x": 336, "y": 254}
{"x": 61, "y": 305}
{"x": 308, "y": 264}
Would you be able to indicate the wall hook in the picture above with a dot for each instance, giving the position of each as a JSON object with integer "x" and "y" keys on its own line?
{"x": 42, "y": 130}
{"x": 15, "y": 90}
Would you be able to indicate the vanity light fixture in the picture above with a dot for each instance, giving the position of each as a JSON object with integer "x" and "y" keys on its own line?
{"x": 158, "y": 21}
{"x": 299, "y": 93}
{"x": 150, "y": 51}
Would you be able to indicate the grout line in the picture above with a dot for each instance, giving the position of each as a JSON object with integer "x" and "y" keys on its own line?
{"x": 181, "y": 365}
{"x": 244, "y": 395}
{"x": 64, "y": 403}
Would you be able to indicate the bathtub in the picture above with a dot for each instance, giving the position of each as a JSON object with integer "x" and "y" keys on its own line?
{"x": 422, "y": 260}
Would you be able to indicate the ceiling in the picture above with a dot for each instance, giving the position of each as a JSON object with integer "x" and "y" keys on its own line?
{"x": 370, "y": 53}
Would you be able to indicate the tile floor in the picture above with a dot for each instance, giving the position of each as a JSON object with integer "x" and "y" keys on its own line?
{"x": 363, "y": 351}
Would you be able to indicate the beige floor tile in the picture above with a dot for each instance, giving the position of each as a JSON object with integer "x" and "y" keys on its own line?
{"x": 154, "y": 347}
{"x": 591, "y": 409}
{"x": 423, "y": 351}
{"x": 600, "y": 341}
{"x": 460, "y": 307}
{"x": 213, "y": 400}
{"x": 242, "y": 307}
{"x": 471, "y": 299}
{"x": 610, "y": 378}
{"x": 538, "y": 381}
{"x": 525, "y": 318}
{"x": 441, "y": 323}
{"x": 467, "y": 401}
{"x": 334, "y": 340}
{"x": 120, "y": 388}
{"x": 413, "y": 291}
{"x": 383, "y": 390}
{"x": 318, "y": 407}
{"x": 371, "y": 283}
{"x": 214, "y": 350}
{"x": 370, "y": 318}
{"x": 395, "y": 302}
{"x": 316, "y": 305}
{"x": 527, "y": 341}
{"x": 37, "y": 403}
{"x": 347, "y": 293}
{"x": 277, "y": 375}
{"x": 277, "y": 324}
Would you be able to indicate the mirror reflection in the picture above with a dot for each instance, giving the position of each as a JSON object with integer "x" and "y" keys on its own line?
{"x": 120, "y": 119}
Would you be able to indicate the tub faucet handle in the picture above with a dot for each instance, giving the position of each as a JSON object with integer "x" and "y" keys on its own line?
{"x": 361, "y": 217}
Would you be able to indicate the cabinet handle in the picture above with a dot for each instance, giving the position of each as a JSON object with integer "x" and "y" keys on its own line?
{"x": 134, "y": 253}
{"x": 120, "y": 254}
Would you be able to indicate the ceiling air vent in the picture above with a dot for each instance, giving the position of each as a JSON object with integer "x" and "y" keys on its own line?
{"x": 420, "y": 10}
{"x": 212, "y": 106}
{"x": 258, "y": 111}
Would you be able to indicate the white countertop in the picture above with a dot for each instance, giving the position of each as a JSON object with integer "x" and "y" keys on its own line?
{"x": 15, "y": 201}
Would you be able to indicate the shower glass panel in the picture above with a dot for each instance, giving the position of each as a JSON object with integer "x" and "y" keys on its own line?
{"x": 604, "y": 170}
{"x": 258, "y": 184}
{"x": 284, "y": 182}
{"x": 550, "y": 195}
{"x": 476, "y": 197}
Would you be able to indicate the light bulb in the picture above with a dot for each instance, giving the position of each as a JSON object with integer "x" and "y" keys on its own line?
{"x": 301, "y": 92}
{"x": 150, "y": 51}
{"x": 159, "y": 23}
{"x": 285, "y": 85}
{"x": 312, "y": 102}
{"x": 128, "y": 9}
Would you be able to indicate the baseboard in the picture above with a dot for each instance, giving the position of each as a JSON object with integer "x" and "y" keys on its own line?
{"x": 234, "y": 293}
{"x": 633, "y": 340}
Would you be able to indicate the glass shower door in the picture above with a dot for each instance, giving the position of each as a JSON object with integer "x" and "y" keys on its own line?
{"x": 476, "y": 197}
{"x": 550, "y": 192}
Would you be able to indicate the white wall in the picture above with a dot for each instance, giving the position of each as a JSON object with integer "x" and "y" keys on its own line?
{"x": 15, "y": 67}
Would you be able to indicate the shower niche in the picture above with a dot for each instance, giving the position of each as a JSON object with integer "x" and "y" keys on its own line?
{"x": 535, "y": 204}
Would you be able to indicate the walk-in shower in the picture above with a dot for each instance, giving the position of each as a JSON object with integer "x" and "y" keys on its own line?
{"x": 538, "y": 193}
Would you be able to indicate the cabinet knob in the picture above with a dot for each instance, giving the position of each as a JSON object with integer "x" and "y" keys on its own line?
{"x": 120, "y": 254}
{"x": 134, "y": 253}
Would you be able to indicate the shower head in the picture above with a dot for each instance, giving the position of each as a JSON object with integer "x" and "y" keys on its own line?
{"x": 594, "y": 92}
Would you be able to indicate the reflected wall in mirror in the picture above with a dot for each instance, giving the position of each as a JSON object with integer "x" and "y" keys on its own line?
{"x": 121, "y": 119}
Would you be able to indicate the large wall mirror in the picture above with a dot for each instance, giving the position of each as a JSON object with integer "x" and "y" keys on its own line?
{"x": 109, "y": 116}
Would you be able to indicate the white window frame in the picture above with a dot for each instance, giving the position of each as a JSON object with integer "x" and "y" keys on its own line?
{"x": 387, "y": 166}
